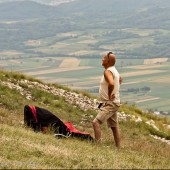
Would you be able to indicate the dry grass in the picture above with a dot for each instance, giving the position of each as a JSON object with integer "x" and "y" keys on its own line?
{"x": 21, "y": 148}
{"x": 39, "y": 151}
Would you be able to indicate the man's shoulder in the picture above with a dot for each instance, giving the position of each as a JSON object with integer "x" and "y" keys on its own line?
{"x": 112, "y": 69}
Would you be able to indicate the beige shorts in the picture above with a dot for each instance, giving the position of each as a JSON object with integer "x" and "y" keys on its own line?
{"x": 108, "y": 111}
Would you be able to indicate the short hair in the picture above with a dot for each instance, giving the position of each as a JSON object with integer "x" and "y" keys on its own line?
{"x": 113, "y": 61}
{"x": 108, "y": 54}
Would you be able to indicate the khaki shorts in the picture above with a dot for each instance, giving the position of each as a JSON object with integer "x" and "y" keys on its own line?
{"x": 108, "y": 111}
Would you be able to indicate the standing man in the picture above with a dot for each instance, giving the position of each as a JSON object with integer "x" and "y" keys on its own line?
{"x": 109, "y": 97}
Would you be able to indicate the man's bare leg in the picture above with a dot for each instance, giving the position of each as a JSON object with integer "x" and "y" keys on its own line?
{"x": 97, "y": 130}
{"x": 116, "y": 134}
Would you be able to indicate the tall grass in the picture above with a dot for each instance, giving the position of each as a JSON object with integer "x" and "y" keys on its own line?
{"x": 24, "y": 149}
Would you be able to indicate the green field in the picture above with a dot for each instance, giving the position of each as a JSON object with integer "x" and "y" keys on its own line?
{"x": 158, "y": 96}
{"x": 46, "y": 58}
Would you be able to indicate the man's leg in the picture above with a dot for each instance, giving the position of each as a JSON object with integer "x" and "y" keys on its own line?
{"x": 116, "y": 134}
{"x": 97, "y": 130}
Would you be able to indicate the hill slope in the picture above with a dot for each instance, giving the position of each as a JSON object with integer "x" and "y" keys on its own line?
{"x": 132, "y": 28}
{"x": 24, "y": 10}
{"x": 24, "y": 149}
{"x": 146, "y": 13}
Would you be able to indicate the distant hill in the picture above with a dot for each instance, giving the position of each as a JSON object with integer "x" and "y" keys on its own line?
{"x": 126, "y": 13}
{"x": 129, "y": 13}
{"x": 24, "y": 10}
{"x": 39, "y": 21}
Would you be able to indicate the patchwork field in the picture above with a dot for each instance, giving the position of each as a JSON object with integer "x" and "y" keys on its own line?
{"x": 85, "y": 74}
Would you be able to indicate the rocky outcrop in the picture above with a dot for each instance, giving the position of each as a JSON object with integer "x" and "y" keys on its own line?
{"x": 83, "y": 102}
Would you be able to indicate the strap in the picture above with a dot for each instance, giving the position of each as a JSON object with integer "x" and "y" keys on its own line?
{"x": 33, "y": 109}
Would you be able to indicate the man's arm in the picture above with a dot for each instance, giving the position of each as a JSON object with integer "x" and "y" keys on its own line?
{"x": 109, "y": 78}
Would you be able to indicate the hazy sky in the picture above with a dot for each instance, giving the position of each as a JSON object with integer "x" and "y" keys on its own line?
{"x": 55, "y": 2}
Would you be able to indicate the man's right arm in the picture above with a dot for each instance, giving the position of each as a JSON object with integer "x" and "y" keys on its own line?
{"x": 109, "y": 78}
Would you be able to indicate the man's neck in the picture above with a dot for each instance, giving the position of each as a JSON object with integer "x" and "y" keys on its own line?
{"x": 107, "y": 67}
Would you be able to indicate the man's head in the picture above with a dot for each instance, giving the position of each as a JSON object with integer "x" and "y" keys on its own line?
{"x": 108, "y": 60}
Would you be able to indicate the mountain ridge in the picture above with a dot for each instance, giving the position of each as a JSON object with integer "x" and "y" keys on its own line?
{"x": 24, "y": 10}
{"x": 88, "y": 7}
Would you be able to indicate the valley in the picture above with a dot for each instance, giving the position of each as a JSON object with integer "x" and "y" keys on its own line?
{"x": 142, "y": 84}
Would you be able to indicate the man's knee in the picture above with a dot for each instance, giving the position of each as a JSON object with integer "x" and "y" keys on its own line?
{"x": 116, "y": 128}
{"x": 96, "y": 122}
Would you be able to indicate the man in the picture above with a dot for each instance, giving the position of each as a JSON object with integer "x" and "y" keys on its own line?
{"x": 110, "y": 101}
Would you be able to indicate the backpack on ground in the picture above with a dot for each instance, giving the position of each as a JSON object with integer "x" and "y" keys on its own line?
{"x": 40, "y": 119}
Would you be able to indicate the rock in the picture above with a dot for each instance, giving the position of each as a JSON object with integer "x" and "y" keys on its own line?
{"x": 138, "y": 119}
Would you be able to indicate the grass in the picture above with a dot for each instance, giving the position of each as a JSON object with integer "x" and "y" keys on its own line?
{"x": 39, "y": 151}
{"x": 21, "y": 148}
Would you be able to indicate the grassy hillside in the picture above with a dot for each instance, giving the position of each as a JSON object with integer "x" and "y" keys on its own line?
{"x": 22, "y": 148}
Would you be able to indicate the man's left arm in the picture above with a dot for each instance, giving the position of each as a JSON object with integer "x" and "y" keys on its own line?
{"x": 120, "y": 80}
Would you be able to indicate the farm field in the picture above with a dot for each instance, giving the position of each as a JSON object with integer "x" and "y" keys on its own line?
{"x": 81, "y": 72}
{"x": 157, "y": 78}
{"x": 146, "y": 86}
